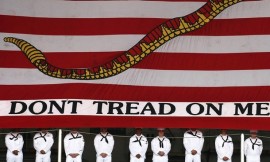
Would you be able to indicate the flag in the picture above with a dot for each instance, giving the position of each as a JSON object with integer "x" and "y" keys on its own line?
{"x": 218, "y": 72}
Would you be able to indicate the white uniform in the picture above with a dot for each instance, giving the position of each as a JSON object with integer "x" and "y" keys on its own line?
{"x": 104, "y": 144}
{"x": 137, "y": 145}
{"x": 253, "y": 149}
{"x": 224, "y": 147}
{"x": 43, "y": 141}
{"x": 14, "y": 141}
{"x": 193, "y": 140}
{"x": 74, "y": 143}
{"x": 160, "y": 144}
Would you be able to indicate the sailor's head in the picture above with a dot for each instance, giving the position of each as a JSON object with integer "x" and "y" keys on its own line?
{"x": 160, "y": 132}
{"x": 43, "y": 130}
{"x": 223, "y": 131}
{"x": 193, "y": 129}
{"x": 74, "y": 130}
{"x": 253, "y": 133}
{"x": 138, "y": 131}
{"x": 15, "y": 130}
{"x": 103, "y": 130}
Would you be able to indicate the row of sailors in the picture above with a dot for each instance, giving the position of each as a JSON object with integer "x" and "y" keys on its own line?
{"x": 138, "y": 144}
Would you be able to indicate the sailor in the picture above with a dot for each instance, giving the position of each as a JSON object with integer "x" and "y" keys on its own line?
{"x": 193, "y": 143}
{"x": 74, "y": 146}
{"x": 160, "y": 146}
{"x": 224, "y": 147}
{"x": 104, "y": 143}
{"x": 14, "y": 143}
{"x": 43, "y": 142}
{"x": 253, "y": 147}
{"x": 138, "y": 145}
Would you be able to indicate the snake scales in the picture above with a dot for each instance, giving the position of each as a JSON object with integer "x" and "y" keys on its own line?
{"x": 153, "y": 40}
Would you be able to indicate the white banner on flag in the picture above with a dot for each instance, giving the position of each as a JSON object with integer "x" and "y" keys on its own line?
{"x": 133, "y": 108}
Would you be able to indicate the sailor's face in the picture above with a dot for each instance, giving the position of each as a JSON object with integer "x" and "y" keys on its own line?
{"x": 138, "y": 131}
{"x": 74, "y": 131}
{"x": 103, "y": 130}
{"x": 193, "y": 129}
{"x": 15, "y": 130}
{"x": 253, "y": 134}
{"x": 44, "y": 131}
{"x": 160, "y": 133}
{"x": 223, "y": 131}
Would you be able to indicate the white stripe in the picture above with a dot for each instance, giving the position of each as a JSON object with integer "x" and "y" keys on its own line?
{"x": 143, "y": 77}
{"x": 113, "y": 9}
{"x": 200, "y": 44}
{"x": 95, "y": 9}
{"x": 91, "y": 107}
{"x": 74, "y": 43}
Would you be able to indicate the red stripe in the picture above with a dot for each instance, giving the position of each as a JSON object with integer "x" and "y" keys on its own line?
{"x": 109, "y": 26}
{"x": 162, "y": 61}
{"x": 188, "y": 61}
{"x": 132, "y": 122}
{"x": 16, "y": 59}
{"x": 135, "y": 93}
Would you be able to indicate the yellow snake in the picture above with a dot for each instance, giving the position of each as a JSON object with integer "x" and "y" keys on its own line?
{"x": 153, "y": 40}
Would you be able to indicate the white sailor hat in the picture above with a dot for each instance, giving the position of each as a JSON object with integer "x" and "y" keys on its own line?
{"x": 160, "y": 129}
{"x": 253, "y": 131}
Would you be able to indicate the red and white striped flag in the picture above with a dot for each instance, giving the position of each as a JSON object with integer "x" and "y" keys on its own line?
{"x": 219, "y": 73}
